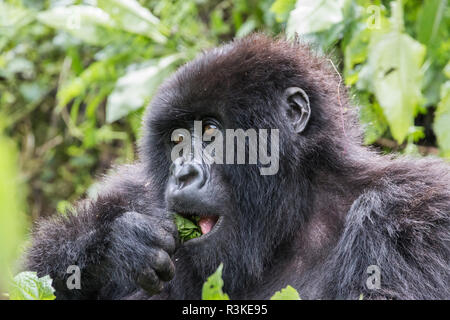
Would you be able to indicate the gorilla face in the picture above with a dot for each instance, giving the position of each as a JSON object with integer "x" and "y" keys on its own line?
{"x": 244, "y": 215}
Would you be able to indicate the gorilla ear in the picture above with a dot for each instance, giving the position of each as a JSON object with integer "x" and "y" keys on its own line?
{"x": 297, "y": 108}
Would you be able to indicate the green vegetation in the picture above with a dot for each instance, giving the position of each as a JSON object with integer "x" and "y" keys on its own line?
{"x": 76, "y": 75}
{"x": 212, "y": 289}
{"x": 394, "y": 56}
{"x": 12, "y": 215}
{"x": 27, "y": 286}
{"x": 187, "y": 229}
{"x": 287, "y": 293}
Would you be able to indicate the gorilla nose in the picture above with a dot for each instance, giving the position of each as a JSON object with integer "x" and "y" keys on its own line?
{"x": 187, "y": 174}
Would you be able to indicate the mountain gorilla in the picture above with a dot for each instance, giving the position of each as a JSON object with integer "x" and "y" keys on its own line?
{"x": 335, "y": 221}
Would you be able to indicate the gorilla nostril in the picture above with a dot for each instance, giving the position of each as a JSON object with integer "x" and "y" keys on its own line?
{"x": 186, "y": 174}
{"x": 189, "y": 174}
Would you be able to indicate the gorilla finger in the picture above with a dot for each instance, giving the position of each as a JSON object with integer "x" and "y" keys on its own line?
{"x": 163, "y": 240}
{"x": 169, "y": 243}
{"x": 163, "y": 265}
{"x": 150, "y": 282}
{"x": 170, "y": 226}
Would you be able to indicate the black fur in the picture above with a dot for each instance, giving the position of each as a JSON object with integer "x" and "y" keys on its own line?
{"x": 334, "y": 208}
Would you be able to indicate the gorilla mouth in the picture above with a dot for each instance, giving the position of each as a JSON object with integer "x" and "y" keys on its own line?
{"x": 207, "y": 225}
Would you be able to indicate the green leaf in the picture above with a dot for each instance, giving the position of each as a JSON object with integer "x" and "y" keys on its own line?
{"x": 281, "y": 8}
{"x": 27, "y": 286}
{"x": 218, "y": 23}
{"x": 441, "y": 124}
{"x": 355, "y": 53}
{"x": 432, "y": 83}
{"x": 12, "y": 214}
{"x": 136, "y": 87}
{"x": 212, "y": 288}
{"x": 394, "y": 67}
{"x": 311, "y": 16}
{"x": 87, "y": 23}
{"x": 97, "y": 72}
{"x": 373, "y": 122}
{"x": 356, "y": 50}
{"x": 430, "y": 21}
{"x": 186, "y": 228}
{"x": 132, "y": 17}
{"x": 447, "y": 70}
{"x": 395, "y": 61}
{"x": 246, "y": 28}
{"x": 287, "y": 293}
{"x": 13, "y": 17}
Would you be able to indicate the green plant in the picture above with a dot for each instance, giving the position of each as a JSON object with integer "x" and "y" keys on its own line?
{"x": 394, "y": 55}
{"x": 212, "y": 289}
{"x": 27, "y": 286}
{"x": 12, "y": 217}
{"x": 187, "y": 229}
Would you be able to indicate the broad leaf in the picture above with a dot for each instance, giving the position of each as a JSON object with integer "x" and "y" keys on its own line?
{"x": 27, "y": 286}
{"x": 394, "y": 64}
{"x": 212, "y": 288}
{"x": 442, "y": 120}
{"x": 432, "y": 84}
{"x": 430, "y": 21}
{"x": 136, "y": 87}
{"x": 311, "y": 16}
{"x": 98, "y": 72}
{"x": 287, "y": 293}
{"x": 13, "y": 17}
{"x": 355, "y": 54}
{"x": 134, "y": 18}
{"x": 87, "y": 23}
{"x": 282, "y": 8}
{"x": 373, "y": 121}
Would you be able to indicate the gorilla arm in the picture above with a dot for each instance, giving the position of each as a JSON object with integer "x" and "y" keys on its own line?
{"x": 119, "y": 241}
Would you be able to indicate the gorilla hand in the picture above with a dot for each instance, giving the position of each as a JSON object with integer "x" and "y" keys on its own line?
{"x": 139, "y": 251}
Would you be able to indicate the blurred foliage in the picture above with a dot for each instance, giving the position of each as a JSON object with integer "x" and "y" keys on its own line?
{"x": 394, "y": 54}
{"x": 76, "y": 75}
{"x": 12, "y": 215}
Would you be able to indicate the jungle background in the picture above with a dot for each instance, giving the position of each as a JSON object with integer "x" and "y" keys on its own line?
{"x": 75, "y": 77}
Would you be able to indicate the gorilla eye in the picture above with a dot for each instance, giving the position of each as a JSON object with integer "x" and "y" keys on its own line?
{"x": 178, "y": 138}
{"x": 209, "y": 129}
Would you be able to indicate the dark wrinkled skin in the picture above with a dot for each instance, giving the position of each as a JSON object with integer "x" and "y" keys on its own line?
{"x": 334, "y": 208}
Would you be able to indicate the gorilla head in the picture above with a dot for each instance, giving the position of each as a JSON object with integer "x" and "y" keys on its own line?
{"x": 253, "y": 83}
